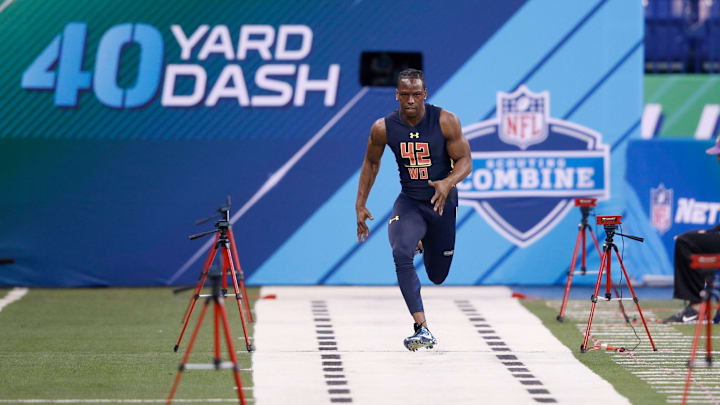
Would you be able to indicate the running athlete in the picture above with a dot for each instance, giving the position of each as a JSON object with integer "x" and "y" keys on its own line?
{"x": 432, "y": 156}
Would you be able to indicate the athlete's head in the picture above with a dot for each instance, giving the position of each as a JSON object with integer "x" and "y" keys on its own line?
{"x": 411, "y": 92}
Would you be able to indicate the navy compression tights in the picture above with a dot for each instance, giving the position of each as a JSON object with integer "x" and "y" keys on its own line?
{"x": 413, "y": 220}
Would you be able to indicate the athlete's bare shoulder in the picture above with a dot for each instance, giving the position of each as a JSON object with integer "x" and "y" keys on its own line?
{"x": 449, "y": 123}
{"x": 378, "y": 132}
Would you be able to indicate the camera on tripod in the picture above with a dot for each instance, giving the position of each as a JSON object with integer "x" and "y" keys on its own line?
{"x": 608, "y": 220}
{"x": 610, "y": 223}
{"x": 586, "y": 202}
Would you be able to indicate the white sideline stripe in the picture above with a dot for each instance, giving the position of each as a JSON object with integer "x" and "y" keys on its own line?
{"x": 274, "y": 179}
{"x": 12, "y": 296}
{"x": 5, "y": 5}
{"x": 650, "y": 118}
{"x": 123, "y": 401}
{"x": 708, "y": 121}
{"x": 377, "y": 367}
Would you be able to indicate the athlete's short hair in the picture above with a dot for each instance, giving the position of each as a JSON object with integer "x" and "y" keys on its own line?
{"x": 411, "y": 74}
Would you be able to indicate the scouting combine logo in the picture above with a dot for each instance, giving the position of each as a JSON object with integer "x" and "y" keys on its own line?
{"x": 661, "y": 208}
{"x": 527, "y": 167}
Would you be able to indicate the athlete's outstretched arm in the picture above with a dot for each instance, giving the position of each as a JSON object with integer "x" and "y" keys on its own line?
{"x": 370, "y": 168}
{"x": 459, "y": 150}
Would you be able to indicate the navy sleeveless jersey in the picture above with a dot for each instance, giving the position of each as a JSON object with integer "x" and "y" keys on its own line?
{"x": 420, "y": 152}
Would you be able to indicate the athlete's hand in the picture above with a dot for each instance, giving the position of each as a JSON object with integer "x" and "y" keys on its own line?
{"x": 362, "y": 230}
{"x": 442, "y": 188}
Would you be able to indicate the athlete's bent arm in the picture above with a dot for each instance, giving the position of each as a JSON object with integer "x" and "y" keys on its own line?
{"x": 459, "y": 150}
{"x": 370, "y": 168}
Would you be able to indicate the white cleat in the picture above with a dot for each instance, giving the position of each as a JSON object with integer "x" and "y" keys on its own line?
{"x": 421, "y": 338}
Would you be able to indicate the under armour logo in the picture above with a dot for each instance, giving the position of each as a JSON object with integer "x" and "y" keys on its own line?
{"x": 397, "y": 218}
{"x": 414, "y": 135}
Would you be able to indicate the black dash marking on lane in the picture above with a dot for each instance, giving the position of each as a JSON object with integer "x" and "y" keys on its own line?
{"x": 332, "y": 363}
{"x": 531, "y": 382}
{"x": 334, "y": 382}
{"x": 496, "y": 344}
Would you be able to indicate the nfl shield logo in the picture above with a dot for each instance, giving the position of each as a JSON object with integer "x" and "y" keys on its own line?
{"x": 528, "y": 166}
{"x": 661, "y": 208}
{"x": 523, "y": 117}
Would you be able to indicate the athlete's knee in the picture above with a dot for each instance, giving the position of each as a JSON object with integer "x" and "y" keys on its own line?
{"x": 403, "y": 253}
{"x": 438, "y": 277}
{"x": 438, "y": 267}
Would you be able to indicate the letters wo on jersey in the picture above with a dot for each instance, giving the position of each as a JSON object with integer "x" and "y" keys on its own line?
{"x": 527, "y": 167}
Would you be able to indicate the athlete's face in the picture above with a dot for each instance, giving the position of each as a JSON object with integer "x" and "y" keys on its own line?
{"x": 411, "y": 94}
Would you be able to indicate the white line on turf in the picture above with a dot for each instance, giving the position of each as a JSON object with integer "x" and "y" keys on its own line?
{"x": 5, "y": 5}
{"x": 664, "y": 369}
{"x": 12, "y": 296}
{"x": 274, "y": 179}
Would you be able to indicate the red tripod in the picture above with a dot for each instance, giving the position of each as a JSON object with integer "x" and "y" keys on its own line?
{"x": 610, "y": 223}
{"x": 585, "y": 205}
{"x": 224, "y": 241}
{"x": 225, "y": 216}
{"x": 709, "y": 264}
{"x": 219, "y": 315}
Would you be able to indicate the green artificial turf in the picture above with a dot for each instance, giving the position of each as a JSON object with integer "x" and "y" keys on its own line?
{"x": 110, "y": 344}
{"x": 627, "y": 384}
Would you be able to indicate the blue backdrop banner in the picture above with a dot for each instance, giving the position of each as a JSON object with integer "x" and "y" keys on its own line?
{"x": 122, "y": 123}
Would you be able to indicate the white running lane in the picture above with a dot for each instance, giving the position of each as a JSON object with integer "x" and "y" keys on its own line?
{"x": 521, "y": 363}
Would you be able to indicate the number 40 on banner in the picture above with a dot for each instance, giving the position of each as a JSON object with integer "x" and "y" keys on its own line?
{"x": 59, "y": 66}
